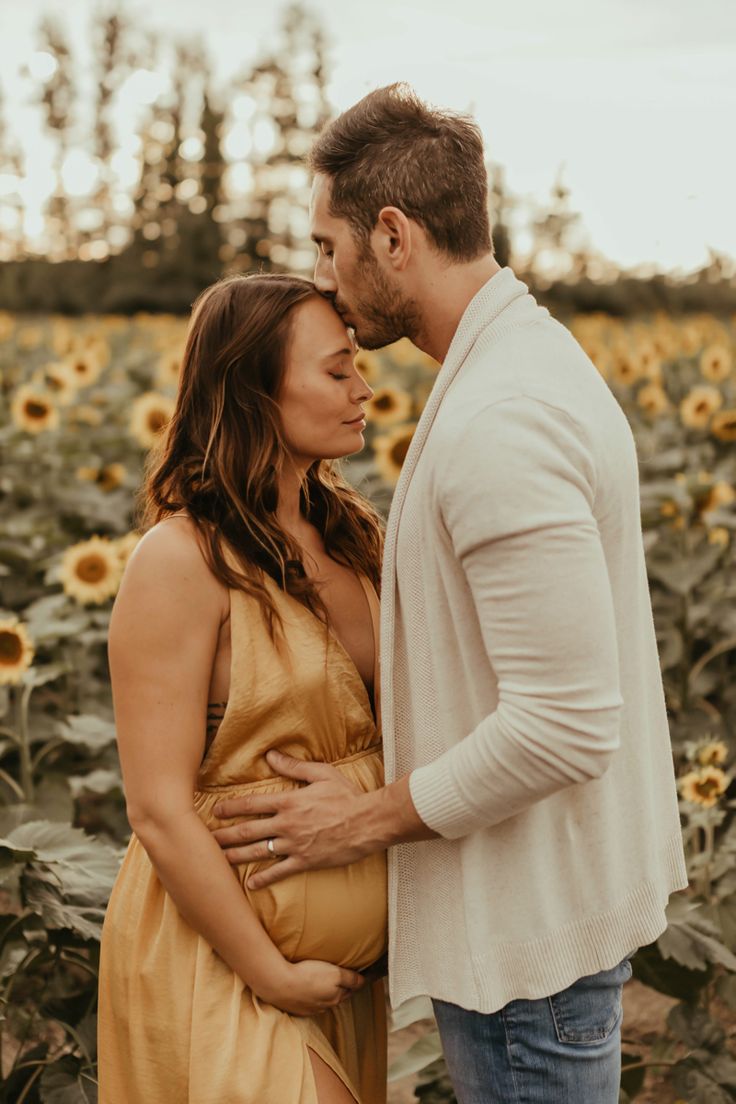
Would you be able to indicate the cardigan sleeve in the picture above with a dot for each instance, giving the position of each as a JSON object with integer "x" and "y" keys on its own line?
{"x": 516, "y": 495}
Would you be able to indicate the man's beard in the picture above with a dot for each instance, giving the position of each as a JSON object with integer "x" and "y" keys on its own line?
{"x": 381, "y": 314}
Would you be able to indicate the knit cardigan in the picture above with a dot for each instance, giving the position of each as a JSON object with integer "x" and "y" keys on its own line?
{"x": 520, "y": 685}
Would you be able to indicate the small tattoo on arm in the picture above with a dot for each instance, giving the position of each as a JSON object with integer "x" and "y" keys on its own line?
{"x": 215, "y": 713}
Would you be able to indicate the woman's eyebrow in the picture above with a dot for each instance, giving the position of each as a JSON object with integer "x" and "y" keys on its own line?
{"x": 338, "y": 353}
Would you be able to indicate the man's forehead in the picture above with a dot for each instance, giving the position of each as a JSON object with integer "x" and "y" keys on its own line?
{"x": 320, "y": 220}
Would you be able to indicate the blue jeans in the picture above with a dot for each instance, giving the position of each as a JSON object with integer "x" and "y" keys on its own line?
{"x": 563, "y": 1049}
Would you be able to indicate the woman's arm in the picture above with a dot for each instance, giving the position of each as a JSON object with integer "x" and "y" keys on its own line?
{"x": 163, "y": 638}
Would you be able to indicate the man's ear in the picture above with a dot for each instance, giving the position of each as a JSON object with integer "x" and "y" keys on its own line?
{"x": 392, "y": 238}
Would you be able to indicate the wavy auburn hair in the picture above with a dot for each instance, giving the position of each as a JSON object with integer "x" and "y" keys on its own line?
{"x": 223, "y": 450}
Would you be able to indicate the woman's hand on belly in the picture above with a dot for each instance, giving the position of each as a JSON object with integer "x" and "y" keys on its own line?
{"x": 310, "y": 987}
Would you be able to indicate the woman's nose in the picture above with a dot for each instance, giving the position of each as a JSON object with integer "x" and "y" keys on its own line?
{"x": 363, "y": 391}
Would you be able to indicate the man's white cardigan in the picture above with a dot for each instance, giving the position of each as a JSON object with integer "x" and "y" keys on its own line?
{"x": 521, "y": 684}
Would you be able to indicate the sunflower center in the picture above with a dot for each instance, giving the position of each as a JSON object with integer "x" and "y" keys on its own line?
{"x": 36, "y": 409}
{"x": 707, "y": 787}
{"x": 156, "y": 421}
{"x": 399, "y": 450}
{"x": 91, "y": 569}
{"x": 11, "y": 647}
{"x": 384, "y": 402}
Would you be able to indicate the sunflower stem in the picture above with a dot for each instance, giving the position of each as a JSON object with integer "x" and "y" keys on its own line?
{"x": 26, "y": 764}
{"x": 685, "y": 678}
{"x": 704, "y": 886}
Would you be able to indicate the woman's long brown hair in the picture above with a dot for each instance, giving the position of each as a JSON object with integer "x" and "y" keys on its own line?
{"x": 223, "y": 450}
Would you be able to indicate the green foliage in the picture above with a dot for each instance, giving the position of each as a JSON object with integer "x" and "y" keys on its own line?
{"x": 60, "y": 879}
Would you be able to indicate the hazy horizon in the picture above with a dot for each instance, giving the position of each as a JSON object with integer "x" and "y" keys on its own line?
{"x": 632, "y": 102}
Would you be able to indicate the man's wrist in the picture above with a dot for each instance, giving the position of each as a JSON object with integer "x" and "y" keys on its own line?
{"x": 387, "y": 816}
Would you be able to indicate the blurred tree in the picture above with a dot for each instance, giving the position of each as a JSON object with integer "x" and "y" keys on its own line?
{"x": 212, "y": 178}
{"x": 561, "y": 247}
{"x": 11, "y": 175}
{"x": 285, "y": 99}
{"x": 176, "y": 240}
{"x": 57, "y": 100}
{"x": 501, "y": 205}
{"x": 114, "y": 60}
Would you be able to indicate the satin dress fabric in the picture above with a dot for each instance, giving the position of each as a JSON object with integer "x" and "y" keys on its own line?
{"x": 176, "y": 1025}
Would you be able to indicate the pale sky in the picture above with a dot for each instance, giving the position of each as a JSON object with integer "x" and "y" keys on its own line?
{"x": 635, "y": 100}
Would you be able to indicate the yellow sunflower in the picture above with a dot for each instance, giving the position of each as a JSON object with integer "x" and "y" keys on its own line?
{"x": 33, "y": 410}
{"x": 84, "y": 365}
{"x": 16, "y": 651}
{"x": 58, "y": 379}
{"x": 601, "y": 357}
{"x": 699, "y": 406}
{"x": 388, "y": 406}
{"x": 107, "y": 478}
{"x": 704, "y": 786}
{"x": 665, "y": 342}
{"x": 720, "y": 494}
{"x": 62, "y": 337}
{"x": 126, "y": 544}
{"x": 653, "y": 399}
{"x": 723, "y": 425}
{"x": 625, "y": 368}
{"x": 648, "y": 361}
{"x": 391, "y": 449}
{"x": 91, "y": 570}
{"x": 96, "y": 345}
{"x": 719, "y": 535}
{"x": 150, "y": 415}
{"x": 715, "y": 363}
{"x": 712, "y": 754}
{"x": 690, "y": 339}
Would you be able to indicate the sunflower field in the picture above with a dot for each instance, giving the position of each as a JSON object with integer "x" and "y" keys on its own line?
{"x": 81, "y": 403}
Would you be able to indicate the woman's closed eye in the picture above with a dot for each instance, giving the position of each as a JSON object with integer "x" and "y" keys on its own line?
{"x": 338, "y": 375}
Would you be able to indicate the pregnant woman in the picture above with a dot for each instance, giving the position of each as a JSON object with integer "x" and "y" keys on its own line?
{"x": 247, "y": 620}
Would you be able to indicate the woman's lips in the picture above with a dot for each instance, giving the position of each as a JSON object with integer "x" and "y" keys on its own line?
{"x": 356, "y": 421}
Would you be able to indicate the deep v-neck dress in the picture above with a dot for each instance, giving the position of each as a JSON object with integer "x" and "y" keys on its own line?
{"x": 176, "y": 1025}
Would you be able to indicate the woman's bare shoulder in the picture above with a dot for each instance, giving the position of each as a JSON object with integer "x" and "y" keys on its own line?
{"x": 169, "y": 560}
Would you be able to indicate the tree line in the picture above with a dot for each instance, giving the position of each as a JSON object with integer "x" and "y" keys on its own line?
{"x": 221, "y": 186}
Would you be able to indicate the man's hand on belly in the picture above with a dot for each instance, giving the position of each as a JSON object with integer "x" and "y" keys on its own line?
{"x": 326, "y": 823}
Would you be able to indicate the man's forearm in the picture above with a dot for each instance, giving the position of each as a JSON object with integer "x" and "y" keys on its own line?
{"x": 387, "y": 816}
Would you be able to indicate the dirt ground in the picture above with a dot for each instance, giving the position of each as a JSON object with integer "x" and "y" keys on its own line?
{"x": 645, "y": 1013}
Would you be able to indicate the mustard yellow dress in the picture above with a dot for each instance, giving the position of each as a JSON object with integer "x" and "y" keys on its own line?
{"x": 176, "y": 1025}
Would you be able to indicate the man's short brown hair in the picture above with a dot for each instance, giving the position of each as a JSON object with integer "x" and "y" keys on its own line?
{"x": 392, "y": 150}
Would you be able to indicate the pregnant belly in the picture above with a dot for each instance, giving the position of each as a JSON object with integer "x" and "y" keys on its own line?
{"x": 337, "y": 915}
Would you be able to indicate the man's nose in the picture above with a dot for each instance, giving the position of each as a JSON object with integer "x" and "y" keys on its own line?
{"x": 324, "y": 276}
